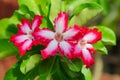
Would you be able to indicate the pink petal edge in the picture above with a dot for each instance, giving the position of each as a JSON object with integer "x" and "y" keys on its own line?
{"x": 25, "y": 26}
{"x": 27, "y": 45}
{"x": 50, "y": 50}
{"x": 61, "y": 22}
{"x": 72, "y": 33}
{"x": 92, "y": 36}
{"x": 87, "y": 58}
{"x": 36, "y": 22}
{"x": 44, "y": 36}
{"x": 66, "y": 49}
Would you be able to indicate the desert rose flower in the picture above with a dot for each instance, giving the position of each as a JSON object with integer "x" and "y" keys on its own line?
{"x": 84, "y": 49}
{"x": 58, "y": 40}
{"x": 25, "y": 39}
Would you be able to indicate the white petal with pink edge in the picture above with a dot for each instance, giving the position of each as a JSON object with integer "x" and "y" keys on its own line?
{"x": 87, "y": 57}
{"x": 36, "y": 22}
{"x": 65, "y": 48}
{"x": 34, "y": 25}
{"x": 51, "y": 49}
{"x": 61, "y": 22}
{"x": 77, "y": 50}
{"x": 71, "y": 33}
{"x": 20, "y": 38}
{"x": 45, "y": 33}
{"x": 25, "y": 28}
{"x": 89, "y": 37}
{"x": 89, "y": 46}
{"x": 25, "y": 46}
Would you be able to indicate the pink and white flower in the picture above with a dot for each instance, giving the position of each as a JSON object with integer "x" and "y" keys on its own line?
{"x": 58, "y": 40}
{"x": 84, "y": 48}
{"x": 25, "y": 39}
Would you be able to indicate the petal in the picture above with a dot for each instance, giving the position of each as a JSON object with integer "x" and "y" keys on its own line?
{"x": 18, "y": 39}
{"x": 50, "y": 50}
{"x": 66, "y": 49}
{"x": 25, "y": 46}
{"x": 92, "y": 36}
{"x": 77, "y": 51}
{"x": 90, "y": 48}
{"x": 87, "y": 58}
{"x": 21, "y": 38}
{"x": 71, "y": 33}
{"x": 45, "y": 34}
{"x": 61, "y": 22}
{"x": 25, "y": 27}
{"x": 36, "y": 22}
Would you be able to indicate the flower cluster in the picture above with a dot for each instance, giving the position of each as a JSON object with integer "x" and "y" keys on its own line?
{"x": 74, "y": 42}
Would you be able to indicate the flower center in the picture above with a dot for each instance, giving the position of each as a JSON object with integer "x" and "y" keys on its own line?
{"x": 82, "y": 43}
{"x": 29, "y": 34}
{"x": 59, "y": 37}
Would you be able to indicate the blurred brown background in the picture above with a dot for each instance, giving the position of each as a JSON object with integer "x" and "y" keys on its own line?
{"x": 7, "y": 8}
{"x": 110, "y": 64}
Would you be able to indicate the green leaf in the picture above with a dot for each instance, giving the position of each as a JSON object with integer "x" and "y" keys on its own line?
{"x": 32, "y": 74}
{"x": 72, "y": 4}
{"x": 47, "y": 68}
{"x": 11, "y": 29}
{"x": 32, "y": 5}
{"x": 44, "y": 6}
{"x": 79, "y": 8}
{"x": 70, "y": 74}
{"x": 60, "y": 73}
{"x": 14, "y": 73}
{"x": 74, "y": 65}
{"x": 37, "y": 6}
{"x": 24, "y": 12}
{"x": 30, "y": 63}
{"x": 100, "y": 47}
{"x": 108, "y": 36}
{"x": 87, "y": 73}
{"x": 85, "y": 12}
{"x": 4, "y": 24}
{"x": 7, "y": 48}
